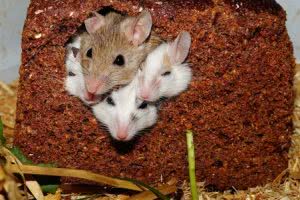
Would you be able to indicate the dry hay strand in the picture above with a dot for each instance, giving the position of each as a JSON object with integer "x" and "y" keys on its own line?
{"x": 9, "y": 187}
{"x": 288, "y": 190}
{"x": 14, "y": 166}
{"x": 8, "y": 100}
{"x": 294, "y": 154}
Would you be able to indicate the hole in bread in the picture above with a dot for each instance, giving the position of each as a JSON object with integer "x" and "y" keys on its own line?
{"x": 107, "y": 9}
{"x": 247, "y": 123}
{"x": 259, "y": 135}
{"x": 218, "y": 164}
{"x": 85, "y": 120}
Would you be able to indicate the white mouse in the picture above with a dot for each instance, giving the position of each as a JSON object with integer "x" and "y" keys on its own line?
{"x": 124, "y": 114}
{"x": 164, "y": 73}
{"x": 74, "y": 81}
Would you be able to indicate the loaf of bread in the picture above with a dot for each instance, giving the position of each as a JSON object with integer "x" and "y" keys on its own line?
{"x": 239, "y": 103}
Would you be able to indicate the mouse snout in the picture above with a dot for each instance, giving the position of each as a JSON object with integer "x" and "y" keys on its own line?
{"x": 143, "y": 91}
{"x": 145, "y": 94}
{"x": 146, "y": 91}
{"x": 90, "y": 96}
{"x": 122, "y": 133}
{"x": 94, "y": 85}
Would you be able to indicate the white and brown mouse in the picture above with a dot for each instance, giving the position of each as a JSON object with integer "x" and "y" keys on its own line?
{"x": 124, "y": 114}
{"x": 113, "y": 48}
{"x": 74, "y": 82}
{"x": 164, "y": 72}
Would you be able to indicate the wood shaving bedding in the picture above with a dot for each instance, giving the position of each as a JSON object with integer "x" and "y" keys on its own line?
{"x": 8, "y": 99}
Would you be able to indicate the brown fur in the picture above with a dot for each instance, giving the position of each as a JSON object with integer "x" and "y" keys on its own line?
{"x": 167, "y": 63}
{"x": 107, "y": 43}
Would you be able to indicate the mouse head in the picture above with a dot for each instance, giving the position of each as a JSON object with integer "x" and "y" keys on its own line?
{"x": 124, "y": 114}
{"x": 74, "y": 81}
{"x": 112, "y": 49}
{"x": 163, "y": 74}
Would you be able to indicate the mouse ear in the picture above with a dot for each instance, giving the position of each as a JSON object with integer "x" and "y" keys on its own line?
{"x": 179, "y": 48}
{"x": 137, "y": 29}
{"x": 75, "y": 51}
{"x": 94, "y": 23}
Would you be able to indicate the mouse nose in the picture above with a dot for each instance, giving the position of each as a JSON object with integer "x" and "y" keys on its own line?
{"x": 122, "y": 133}
{"x": 122, "y": 136}
{"x": 93, "y": 84}
{"x": 145, "y": 95}
{"x": 92, "y": 87}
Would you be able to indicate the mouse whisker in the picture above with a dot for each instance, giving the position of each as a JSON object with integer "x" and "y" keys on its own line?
{"x": 103, "y": 126}
{"x": 85, "y": 71}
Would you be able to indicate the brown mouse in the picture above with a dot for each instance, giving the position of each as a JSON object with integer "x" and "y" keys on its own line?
{"x": 113, "y": 48}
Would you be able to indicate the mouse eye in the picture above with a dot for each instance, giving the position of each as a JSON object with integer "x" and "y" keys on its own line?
{"x": 71, "y": 74}
{"x": 89, "y": 53}
{"x": 119, "y": 60}
{"x": 143, "y": 105}
{"x": 166, "y": 73}
{"x": 110, "y": 101}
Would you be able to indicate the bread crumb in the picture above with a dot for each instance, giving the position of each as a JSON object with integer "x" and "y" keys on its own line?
{"x": 38, "y": 12}
{"x": 37, "y": 36}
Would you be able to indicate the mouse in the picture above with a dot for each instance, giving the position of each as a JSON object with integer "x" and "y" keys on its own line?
{"x": 165, "y": 73}
{"x": 74, "y": 80}
{"x": 125, "y": 115}
{"x": 112, "y": 49}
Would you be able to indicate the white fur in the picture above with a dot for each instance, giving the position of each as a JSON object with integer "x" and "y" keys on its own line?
{"x": 75, "y": 85}
{"x": 151, "y": 79}
{"x": 123, "y": 112}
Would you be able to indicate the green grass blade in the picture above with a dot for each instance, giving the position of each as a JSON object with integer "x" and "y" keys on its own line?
{"x": 2, "y": 138}
{"x": 47, "y": 165}
{"x": 49, "y": 188}
{"x": 18, "y": 153}
{"x": 191, "y": 160}
{"x": 24, "y": 160}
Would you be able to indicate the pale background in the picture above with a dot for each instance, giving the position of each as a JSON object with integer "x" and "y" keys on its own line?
{"x": 12, "y": 15}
